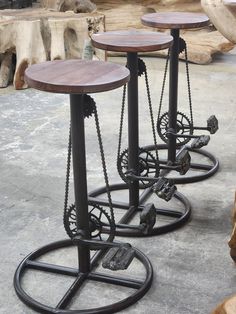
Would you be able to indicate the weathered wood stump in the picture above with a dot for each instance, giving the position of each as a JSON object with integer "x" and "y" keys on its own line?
{"x": 37, "y": 35}
{"x": 232, "y": 241}
{"x": 222, "y": 13}
{"x": 228, "y": 306}
{"x": 125, "y": 14}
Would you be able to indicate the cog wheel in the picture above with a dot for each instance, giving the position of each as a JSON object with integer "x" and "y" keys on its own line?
{"x": 184, "y": 127}
{"x": 148, "y": 167}
{"x": 88, "y": 106}
{"x": 182, "y": 45}
{"x": 141, "y": 67}
{"x": 98, "y": 220}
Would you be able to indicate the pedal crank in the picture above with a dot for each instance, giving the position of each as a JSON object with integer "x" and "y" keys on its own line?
{"x": 164, "y": 188}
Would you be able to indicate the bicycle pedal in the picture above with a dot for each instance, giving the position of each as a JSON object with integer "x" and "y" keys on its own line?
{"x": 148, "y": 218}
{"x": 212, "y": 124}
{"x": 164, "y": 188}
{"x": 200, "y": 141}
{"x": 118, "y": 258}
{"x": 183, "y": 161}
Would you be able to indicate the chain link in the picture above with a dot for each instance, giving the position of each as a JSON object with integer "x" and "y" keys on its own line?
{"x": 151, "y": 113}
{"x": 163, "y": 85}
{"x": 121, "y": 123}
{"x": 189, "y": 86}
{"x": 68, "y": 165}
{"x": 104, "y": 166}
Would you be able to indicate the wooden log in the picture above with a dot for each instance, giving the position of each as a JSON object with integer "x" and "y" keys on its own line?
{"x": 202, "y": 44}
{"x": 222, "y": 16}
{"x": 77, "y": 6}
{"x": 232, "y": 241}
{"x": 37, "y": 35}
{"x": 227, "y": 307}
{"x": 5, "y": 69}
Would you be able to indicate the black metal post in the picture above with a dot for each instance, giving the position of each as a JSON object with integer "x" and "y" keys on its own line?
{"x": 80, "y": 178}
{"x": 173, "y": 94}
{"x": 133, "y": 129}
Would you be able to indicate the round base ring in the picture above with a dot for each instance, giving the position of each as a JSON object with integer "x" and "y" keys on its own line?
{"x": 123, "y": 228}
{"x": 207, "y": 169}
{"x": 30, "y": 262}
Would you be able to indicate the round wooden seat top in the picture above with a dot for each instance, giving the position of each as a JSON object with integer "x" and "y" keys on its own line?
{"x": 76, "y": 76}
{"x": 175, "y": 20}
{"x": 131, "y": 41}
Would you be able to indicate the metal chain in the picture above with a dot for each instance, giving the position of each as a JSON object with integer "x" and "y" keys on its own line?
{"x": 151, "y": 113}
{"x": 104, "y": 166}
{"x": 121, "y": 123}
{"x": 189, "y": 86}
{"x": 163, "y": 85}
{"x": 68, "y": 165}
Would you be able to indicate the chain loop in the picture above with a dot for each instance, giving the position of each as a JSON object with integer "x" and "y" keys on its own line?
{"x": 151, "y": 113}
{"x": 104, "y": 166}
{"x": 94, "y": 111}
{"x": 68, "y": 165}
{"x": 121, "y": 122}
{"x": 163, "y": 85}
{"x": 189, "y": 86}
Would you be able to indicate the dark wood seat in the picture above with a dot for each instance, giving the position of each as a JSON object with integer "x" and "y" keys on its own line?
{"x": 175, "y": 20}
{"x": 76, "y": 76}
{"x": 131, "y": 41}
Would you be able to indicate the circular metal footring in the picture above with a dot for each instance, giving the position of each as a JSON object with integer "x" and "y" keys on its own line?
{"x": 31, "y": 263}
{"x": 205, "y": 170}
{"x": 125, "y": 228}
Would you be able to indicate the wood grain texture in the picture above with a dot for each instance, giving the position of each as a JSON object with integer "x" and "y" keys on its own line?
{"x": 175, "y": 20}
{"x": 222, "y": 16}
{"x": 76, "y": 76}
{"x": 131, "y": 41}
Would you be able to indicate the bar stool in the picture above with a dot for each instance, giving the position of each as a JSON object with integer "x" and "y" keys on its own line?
{"x": 141, "y": 169}
{"x": 174, "y": 127}
{"x": 78, "y": 78}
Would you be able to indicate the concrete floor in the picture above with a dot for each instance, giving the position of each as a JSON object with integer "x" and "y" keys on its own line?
{"x": 193, "y": 271}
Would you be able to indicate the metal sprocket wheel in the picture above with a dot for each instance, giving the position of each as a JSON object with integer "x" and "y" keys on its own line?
{"x": 183, "y": 127}
{"x": 98, "y": 220}
{"x": 148, "y": 167}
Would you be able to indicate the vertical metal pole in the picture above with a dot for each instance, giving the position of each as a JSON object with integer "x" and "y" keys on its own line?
{"x": 80, "y": 177}
{"x": 173, "y": 94}
{"x": 133, "y": 129}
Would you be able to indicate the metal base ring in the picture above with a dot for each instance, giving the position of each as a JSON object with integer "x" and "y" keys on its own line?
{"x": 31, "y": 263}
{"x": 207, "y": 170}
{"x": 124, "y": 228}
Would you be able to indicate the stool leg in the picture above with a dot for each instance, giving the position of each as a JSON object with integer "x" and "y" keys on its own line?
{"x": 133, "y": 129}
{"x": 80, "y": 178}
{"x": 173, "y": 93}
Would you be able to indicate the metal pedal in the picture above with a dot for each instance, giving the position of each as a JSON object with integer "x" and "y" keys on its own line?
{"x": 147, "y": 218}
{"x": 200, "y": 141}
{"x": 212, "y": 124}
{"x": 119, "y": 258}
{"x": 183, "y": 161}
{"x": 164, "y": 188}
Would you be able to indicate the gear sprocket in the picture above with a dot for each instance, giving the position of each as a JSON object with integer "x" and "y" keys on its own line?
{"x": 99, "y": 220}
{"x": 148, "y": 167}
{"x": 183, "y": 127}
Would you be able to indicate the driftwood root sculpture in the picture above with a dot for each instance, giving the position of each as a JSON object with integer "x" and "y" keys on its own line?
{"x": 222, "y": 14}
{"x": 37, "y": 35}
{"x": 229, "y": 305}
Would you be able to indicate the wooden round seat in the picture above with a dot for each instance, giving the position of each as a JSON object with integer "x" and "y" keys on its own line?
{"x": 175, "y": 20}
{"x": 131, "y": 41}
{"x": 76, "y": 76}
